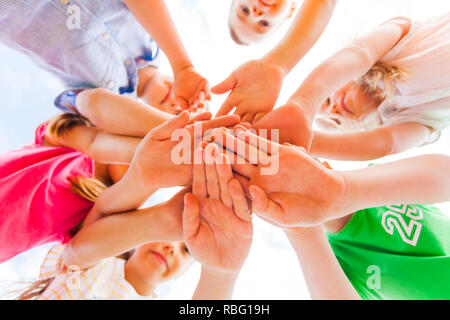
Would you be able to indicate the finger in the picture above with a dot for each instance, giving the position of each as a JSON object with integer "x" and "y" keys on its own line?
{"x": 263, "y": 206}
{"x": 248, "y": 117}
{"x": 201, "y": 117}
{"x": 183, "y": 103}
{"x": 264, "y": 145}
{"x": 247, "y": 150}
{"x": 225, "y": 86}
{"x": 239, "y": 164}
{"x": 223, "y": 167}
{"x": 191, "y": 216}
{"x": 228, "y": 105}
{"x": 199, "y": 177}
{"x": 165, "y": 130}
{"x": 222, "y": 121}
{"x": 245, "y": 183}
{"x": 259, "y": 116}
{"x": 207, "y": 91}
{"x": 212, "y": 178}
{"x": 240, "y": 205}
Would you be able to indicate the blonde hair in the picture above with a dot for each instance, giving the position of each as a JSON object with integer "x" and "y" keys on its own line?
{"x": 88, "y": 188}
{"x": 389, "y": 75}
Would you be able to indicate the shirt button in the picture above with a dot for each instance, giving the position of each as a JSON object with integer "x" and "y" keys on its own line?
{"x": 64, "y": 1}
{"x": 128, "y": 62}
{"x": 111, "y": 84}
{"x": 106, "y": 36}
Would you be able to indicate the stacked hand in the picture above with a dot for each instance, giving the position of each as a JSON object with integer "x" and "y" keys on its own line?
{"x": 217, "y": 224}
{"x": 286, "y": 185}
{"x": 153, "y": 165}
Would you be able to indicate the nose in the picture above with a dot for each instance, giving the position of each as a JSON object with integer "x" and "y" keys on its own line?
{"x": 257, "y": 12}
{"x": 169, "y": 249}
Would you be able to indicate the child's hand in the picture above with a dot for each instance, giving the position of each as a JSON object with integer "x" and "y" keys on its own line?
{"x": 191, "y": 89}
{"x": 217, "y": 226}
{"x": 291, "y": 121}
{"x": 153, "y": 165}
{"x": 287, "y": 186}
{"x": 254, "y": 86}
{"x": 156, "y": 89}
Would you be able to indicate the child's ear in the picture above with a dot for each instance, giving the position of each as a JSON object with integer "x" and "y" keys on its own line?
{"x": 292, "y": 10}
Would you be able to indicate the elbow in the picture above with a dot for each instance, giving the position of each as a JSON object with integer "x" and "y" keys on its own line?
{"x": 89, "y": 104}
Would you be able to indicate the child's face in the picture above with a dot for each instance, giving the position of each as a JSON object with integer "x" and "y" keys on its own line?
{"x": 351, "y": 102}
{"x": 162, "y": 261}
{"x": 159, "y": 94}
{"x": 252, "y": 21}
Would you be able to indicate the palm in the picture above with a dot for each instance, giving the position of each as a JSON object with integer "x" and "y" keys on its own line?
{"x": 255, "y": 88}
{"x": 292, "y": 123}
{"x": 219, "y": 233}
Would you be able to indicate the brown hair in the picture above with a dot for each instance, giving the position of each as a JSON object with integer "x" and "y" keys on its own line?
{"x": 388, "y": 74}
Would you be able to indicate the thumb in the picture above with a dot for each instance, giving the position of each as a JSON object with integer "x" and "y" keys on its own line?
{"x": 226, "y": 85}
{"x": 260, "y": 201}
{"x": 165, "y": 130}
{"x": 191, "y": 216}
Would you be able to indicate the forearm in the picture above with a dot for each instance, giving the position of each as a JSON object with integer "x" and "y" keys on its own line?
{"x": 344, "y": 66}
{"x": 419, "y": 180}
{"x": 215, "y": 286}
{"x": 112, "y": 148}
{"x": 154, "y": 16}
{"x": 323, "y": 274}
{"x": 308, "y": 26}
{"x": 123, "y": 196}
{"x": 357, "y": 146}
{"x": 119, "y": 233}
{"x": 119, "y": 114}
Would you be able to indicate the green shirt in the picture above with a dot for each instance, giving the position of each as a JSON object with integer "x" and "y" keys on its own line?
{"x": 396, "y": 252}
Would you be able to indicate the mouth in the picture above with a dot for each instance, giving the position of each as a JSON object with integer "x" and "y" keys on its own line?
{"x": 165, "y": 98}
{"x": 264, "y": 3}
{"x": 161, "y": 259}
{"x": 344, "y": 106}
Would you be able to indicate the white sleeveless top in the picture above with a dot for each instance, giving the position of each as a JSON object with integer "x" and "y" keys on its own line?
{"x": 425, "y": 96}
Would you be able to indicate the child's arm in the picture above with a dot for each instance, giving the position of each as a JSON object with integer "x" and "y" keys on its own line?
{"x": 119, "y": 233}
{"x": 339, "y": 69}
{"x": 323, "y": 275}
{"x": 155, "y": 18}
{"x": 119, "y": 114}
{"x": 371, "y": 144}
{"x": 153, "y": 165}
{"x": 255, "y": 85}
{"x": 101, "y": 146}
{"x": 217, "y": 226}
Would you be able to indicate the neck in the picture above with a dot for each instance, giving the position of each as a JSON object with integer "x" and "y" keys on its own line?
{"x": 141, "y": 285}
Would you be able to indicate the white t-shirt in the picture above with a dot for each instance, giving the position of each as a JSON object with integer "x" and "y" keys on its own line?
{"x": 425, "y": 96}
{"x": 104, "y": 281}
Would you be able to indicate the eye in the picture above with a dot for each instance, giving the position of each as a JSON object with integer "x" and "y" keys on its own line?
{"x": 186, "y": 250}
{"x": 245, "y": 10}
{"x": 264, "y": 23}
{"x": 328, "y": 101}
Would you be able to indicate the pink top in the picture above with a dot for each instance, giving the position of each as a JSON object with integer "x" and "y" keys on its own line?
{"x": 36, "y": 203}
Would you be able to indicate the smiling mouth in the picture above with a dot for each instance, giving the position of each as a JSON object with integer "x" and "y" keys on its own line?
{"x": 161, "y": 259}
{"x": 266, "y": 4}
{"x": 344, "y": 106}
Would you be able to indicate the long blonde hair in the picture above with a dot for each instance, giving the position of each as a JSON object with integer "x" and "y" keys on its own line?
{"x": 88, "y": 188}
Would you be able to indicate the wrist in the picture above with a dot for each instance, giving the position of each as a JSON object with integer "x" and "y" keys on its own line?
{"x": 182, "y": 65}
{"x": 276, "y": 59}
{"x": 219, "y": 275}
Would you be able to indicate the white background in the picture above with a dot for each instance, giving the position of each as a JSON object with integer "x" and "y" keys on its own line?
{"x": 271, "y": 271}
